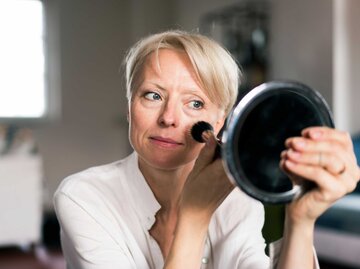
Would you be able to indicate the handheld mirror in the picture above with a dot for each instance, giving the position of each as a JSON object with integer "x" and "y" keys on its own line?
{"x": 255, "y": 134}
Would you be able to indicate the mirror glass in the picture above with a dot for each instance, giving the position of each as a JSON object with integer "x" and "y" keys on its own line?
{"x": 256, "y": 133}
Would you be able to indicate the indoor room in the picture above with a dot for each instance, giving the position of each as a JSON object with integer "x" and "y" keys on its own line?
{"x": 64, "y": 106}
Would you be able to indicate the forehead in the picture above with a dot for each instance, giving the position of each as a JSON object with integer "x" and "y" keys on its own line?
{"x": 169, "y": 62}
{"x": 169, "y": 69}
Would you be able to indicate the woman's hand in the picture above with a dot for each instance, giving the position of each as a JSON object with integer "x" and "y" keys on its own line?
{"x": 207, "y": 185}
{"x": 205, "y": 188}
{"x": 324, "y": 156}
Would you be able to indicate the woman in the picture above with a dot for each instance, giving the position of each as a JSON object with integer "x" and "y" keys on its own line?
{"x": 170, "y": 203}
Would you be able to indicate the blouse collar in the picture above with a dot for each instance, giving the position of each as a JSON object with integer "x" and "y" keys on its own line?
{"x": 145, "y": 201}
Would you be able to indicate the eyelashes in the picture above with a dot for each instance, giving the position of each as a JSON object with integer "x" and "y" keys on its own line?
{"x": 152, "y": 96}
{"x": 194, "y": 104}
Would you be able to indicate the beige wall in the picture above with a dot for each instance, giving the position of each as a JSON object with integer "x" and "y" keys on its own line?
{"x": 93, "y": 37}
{"x": 301, "y": 43}
{"x": 88, "y": 41}
{"x": 301, "y": 38}
{"x": 346, "y": 66}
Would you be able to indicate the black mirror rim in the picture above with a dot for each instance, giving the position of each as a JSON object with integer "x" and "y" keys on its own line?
{"x": 237, "y": 119}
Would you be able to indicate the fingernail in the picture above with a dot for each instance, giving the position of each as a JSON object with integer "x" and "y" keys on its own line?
{"x": 300, "y": 143}
{"x": 315, "y": 134}
{"x": 289, "y": 163}
{"x": 287, "y": 142}
{"x": 294, "y": 154}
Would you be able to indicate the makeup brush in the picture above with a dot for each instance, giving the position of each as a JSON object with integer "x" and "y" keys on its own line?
{"x": 201, "y": 132}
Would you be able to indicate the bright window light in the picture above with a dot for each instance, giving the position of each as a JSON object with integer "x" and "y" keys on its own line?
{"x": 22, "y": 71}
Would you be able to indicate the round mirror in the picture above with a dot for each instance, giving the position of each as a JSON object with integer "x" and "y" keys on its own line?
{"x": 255, "y": 134}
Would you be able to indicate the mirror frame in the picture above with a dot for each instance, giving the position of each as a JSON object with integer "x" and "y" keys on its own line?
{"x": 236, "y": 121}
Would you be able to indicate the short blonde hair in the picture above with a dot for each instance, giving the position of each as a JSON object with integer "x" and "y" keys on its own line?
{"x": 215, "y": 68}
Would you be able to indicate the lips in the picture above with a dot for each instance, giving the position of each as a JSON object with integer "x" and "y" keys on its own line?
{"x": 165, "y": 141}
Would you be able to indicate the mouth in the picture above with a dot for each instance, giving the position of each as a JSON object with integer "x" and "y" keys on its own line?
{"x": 164, "y": 141}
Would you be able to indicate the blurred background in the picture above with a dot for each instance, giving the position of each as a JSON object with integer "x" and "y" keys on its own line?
{"x": 63, "y": 105}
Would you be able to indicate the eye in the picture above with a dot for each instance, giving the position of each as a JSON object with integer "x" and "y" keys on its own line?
{"x": 196, "y": 104}
{"x": 153, "y": 96}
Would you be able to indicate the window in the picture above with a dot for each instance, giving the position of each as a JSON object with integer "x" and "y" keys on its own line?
{"x": 22, "y": 60}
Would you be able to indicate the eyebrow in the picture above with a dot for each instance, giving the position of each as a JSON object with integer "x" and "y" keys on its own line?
{"x": 157, "y": 85}
{"x": 190, "y": 90}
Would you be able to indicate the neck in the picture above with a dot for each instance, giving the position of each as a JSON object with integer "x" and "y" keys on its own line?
{"x": 166, "y": 185}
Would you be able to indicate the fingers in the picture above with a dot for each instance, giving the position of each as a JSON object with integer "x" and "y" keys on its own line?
{"x": 207, "y": 185}
{"x": 297, "y": 180}
{"x": 333, "y": 151}
{"x": 325, "y": 157}
{"x": 303, "y": 144}
{"x": 322, "y": 155}
{"x": 332, "y": 163}
{"x": 323, "y": 146}
{"x": 331, "y": 188}
{"x": 206, "y": 155}
{"x": 326, "y": 133}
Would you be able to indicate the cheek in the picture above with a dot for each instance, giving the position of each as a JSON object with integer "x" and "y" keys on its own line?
{"x": 219, "y": 120}
{"x": 193, "y": 148}
{"x": 215, "y": 119}
{"x": 138, "y": 115}
{"x": 137, "y": 122}
{"x": 216, "y": 122}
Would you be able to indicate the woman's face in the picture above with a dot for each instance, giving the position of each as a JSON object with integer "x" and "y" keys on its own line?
{"x": 166, "y": 103}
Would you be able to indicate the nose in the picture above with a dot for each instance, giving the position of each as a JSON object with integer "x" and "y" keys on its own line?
{"x": 169, "y": 115}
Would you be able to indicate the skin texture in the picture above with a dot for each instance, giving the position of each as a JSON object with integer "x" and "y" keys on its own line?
{"x": 165, "y": 106}
{"x": 167, "y": 101}
{"x": 324, "y": 156}
{"x": 162, "y": 110}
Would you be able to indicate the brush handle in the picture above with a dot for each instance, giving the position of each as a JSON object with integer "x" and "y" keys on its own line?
{"x": 201, "y": 131}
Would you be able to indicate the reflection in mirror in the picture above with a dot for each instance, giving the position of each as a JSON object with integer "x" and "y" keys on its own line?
{"x": 256, "y": 133}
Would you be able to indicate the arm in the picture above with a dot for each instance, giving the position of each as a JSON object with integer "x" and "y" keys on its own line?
{"x": 91, "y": 241}
{"x": 324, "y": 156}
{"x": 205, "y": 189}
{"x": 188, "y": 243}
{"x": 297, "y": 246}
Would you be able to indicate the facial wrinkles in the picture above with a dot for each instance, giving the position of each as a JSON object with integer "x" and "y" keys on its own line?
{"x": 181, "y": 80}
{"x": 175, "y": 72}
{"x": 175, "y": 78}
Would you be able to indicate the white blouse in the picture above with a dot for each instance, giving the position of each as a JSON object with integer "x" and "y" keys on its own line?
{"x": 106, "y": 213}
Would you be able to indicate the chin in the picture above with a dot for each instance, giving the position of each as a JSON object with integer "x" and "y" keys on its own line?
{"x": 166, "y": 162}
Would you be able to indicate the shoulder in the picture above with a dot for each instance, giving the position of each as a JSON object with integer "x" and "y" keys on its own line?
{"x": 97, "y": 180}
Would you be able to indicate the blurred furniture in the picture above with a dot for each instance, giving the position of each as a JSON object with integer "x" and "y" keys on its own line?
{"x": 20, "y": 190}
{"x": 20, "y": 200}
{"x": 243, "y": 28}
{"x": 337, "y": 232}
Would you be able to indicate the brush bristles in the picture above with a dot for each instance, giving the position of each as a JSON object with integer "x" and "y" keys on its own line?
{"x": 198, "y": 128}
